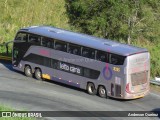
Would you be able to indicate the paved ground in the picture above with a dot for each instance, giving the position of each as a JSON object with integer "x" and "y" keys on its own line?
{"x": 23, "y": 93}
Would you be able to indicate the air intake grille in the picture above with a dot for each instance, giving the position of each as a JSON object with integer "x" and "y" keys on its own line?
{"x": 118, "y": 90}
{"x": 139, "y": 78}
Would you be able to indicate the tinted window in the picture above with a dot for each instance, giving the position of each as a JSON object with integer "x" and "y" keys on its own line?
{"x": 34, "y": 39}
{"x": 62, "y": 46}
{"x": 89, "y": 73}
{"x": 88, "y": 52}
{"x": 63, "y": 66}
{"x": 74, "y": 49}
{"x": 55, "y": 64}
{"x": 47, "y": 42}
{"x": 46, "y": 61}
{"x": 116, "y": 59}
{"x": 22, "y": 37}
{"x": 102, "y": 56}
{"x": 86, "y": 72}
{"x": 34, "y": 58}
{"x": 37, "y": 59}
{"x": 94, "y": 74}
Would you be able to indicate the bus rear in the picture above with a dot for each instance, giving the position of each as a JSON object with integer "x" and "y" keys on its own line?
{"x": 138, "y": 75}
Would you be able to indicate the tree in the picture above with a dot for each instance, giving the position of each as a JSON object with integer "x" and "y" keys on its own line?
{"x": 121, "y": 20}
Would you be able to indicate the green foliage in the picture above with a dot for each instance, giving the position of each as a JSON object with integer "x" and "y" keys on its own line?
{"x": 3, "y": 49}
{"x": 154, "y": 49}
{"x": 116, "y": 20}
{"x": 16, "y": 14}
{"x": 155, "y": 60}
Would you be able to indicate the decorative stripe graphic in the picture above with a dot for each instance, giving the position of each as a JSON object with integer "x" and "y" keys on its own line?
{"x": 107, "y": 73}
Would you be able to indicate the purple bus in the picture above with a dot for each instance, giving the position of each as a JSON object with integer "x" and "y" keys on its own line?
{"x": 100, "y": 66}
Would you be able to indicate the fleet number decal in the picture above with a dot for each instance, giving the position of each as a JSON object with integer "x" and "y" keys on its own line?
{"x": 116, "y": 69}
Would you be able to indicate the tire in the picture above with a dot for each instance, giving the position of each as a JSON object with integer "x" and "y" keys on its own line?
{"x": 102, "y": 92}
{"x": 91, "y": 89}
{"x": 28, "y": 71}
{"x": 38, "y": 74}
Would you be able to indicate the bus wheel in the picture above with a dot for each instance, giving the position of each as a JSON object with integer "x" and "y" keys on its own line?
{"x": 28, "y": 71}
{"x": 102, "y": 92}
{"x": 91, "y": 89}
{"x": 38, "y": 74}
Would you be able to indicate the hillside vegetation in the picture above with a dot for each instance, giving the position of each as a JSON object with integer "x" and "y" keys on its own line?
{"x": 16, "y": 14}
{"x": 135, "y": 22}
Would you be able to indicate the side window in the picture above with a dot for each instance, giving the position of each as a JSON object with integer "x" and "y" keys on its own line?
{"x": 86, "y": 72}
{"x": 88, "y": 52}
{"x": 37, "y": 59}
{"x": 55, "y": 64}
{"x": 47, "y": 42}
{"x": 47, "y": 62}
{"x": 93, "y": 74}
{"x": 116, "y": 59}
{"x": 102, "y": 56}
{"x": 34, "y": 58}
{"x": 62, "y": 46}
{"x": 22, "y": 37}
{"x": 74, "y": 49}
{"x": 34, "y": 39}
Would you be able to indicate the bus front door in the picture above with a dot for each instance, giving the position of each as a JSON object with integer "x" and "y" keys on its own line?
{"x": 16, "y": 57}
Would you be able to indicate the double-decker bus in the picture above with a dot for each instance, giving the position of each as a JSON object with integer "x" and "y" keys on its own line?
{"x": 100, "y": 66}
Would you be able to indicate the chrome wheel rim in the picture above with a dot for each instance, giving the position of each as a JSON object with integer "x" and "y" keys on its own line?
{"x": 91, "y": 89}
{"x": 39, "y": 74}
{"x": 28, "y": 71}
{"x": 102, "y": 91}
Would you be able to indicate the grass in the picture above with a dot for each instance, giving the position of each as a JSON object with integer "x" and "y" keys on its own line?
{"x": 6, "y": 108}
{"x": 3, "y": 50}
{"x": 16, "y": 14}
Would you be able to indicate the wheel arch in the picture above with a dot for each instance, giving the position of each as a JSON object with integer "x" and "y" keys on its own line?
{"x": 95, "y": 85}
{"x": 37, "y": 68}
{"x": 26, "y": 66}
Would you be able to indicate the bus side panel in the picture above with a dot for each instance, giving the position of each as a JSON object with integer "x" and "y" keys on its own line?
{"x": 111, "y": 76}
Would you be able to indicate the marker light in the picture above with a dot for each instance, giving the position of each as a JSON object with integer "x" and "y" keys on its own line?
{"x": 127, "y": 88}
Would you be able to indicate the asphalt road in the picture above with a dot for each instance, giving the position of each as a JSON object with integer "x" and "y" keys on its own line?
{"x": 23, "y": 93}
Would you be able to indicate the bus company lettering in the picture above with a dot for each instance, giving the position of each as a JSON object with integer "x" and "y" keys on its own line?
{"x": 66, "y": 67}
{"x": 44, "y": 52}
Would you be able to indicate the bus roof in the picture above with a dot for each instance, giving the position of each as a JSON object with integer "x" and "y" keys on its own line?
{"x": 85, "y": 40}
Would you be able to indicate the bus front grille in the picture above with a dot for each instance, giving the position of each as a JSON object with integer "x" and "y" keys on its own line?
{"x": 139, "y": 78}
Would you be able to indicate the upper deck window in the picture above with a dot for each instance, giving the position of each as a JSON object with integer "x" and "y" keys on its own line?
{"x": 74, "y": 49}
{"x": 88, "y": 52}
{"x": 21, "y": 37}
{"x": 102, "y": 56}
{"x": 116, "y": 59}
{"x": 34, "y": 39}
{"x": 62, "y": 46}
{"x": 47, "y": 42}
